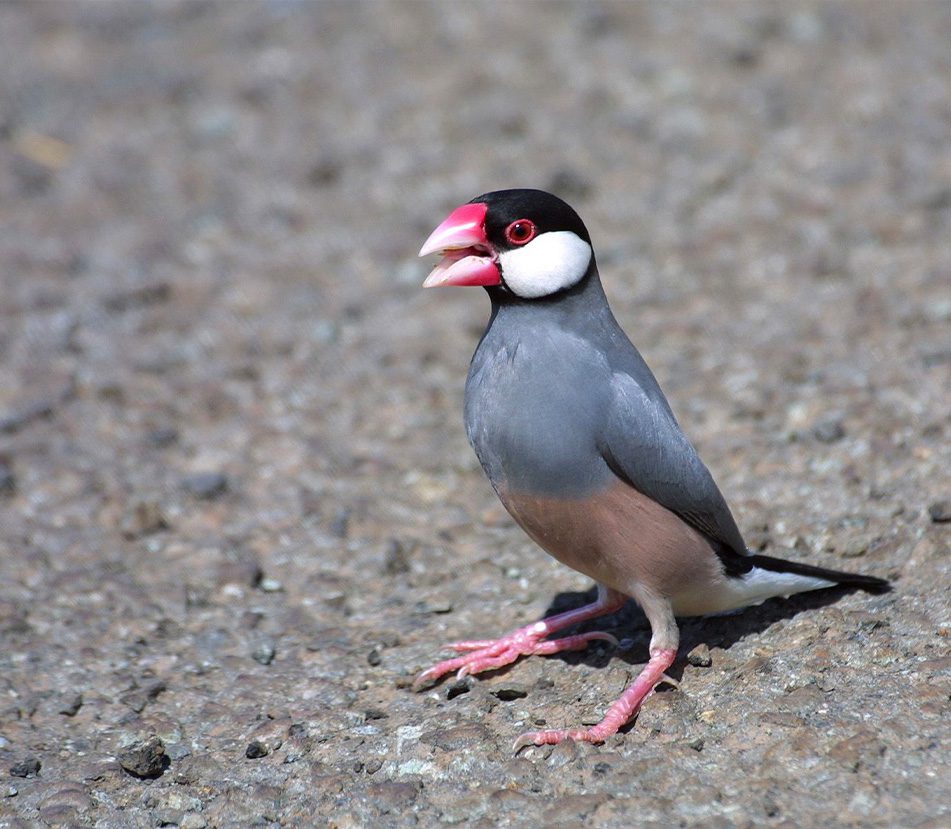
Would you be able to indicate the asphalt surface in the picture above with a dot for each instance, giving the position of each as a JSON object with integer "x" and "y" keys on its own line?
{"x": 237, "y": 508}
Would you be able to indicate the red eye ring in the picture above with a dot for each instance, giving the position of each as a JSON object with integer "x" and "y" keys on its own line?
{"x": 521, "y": 231}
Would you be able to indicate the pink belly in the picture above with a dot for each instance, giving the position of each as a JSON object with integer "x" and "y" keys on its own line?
{"x": 620, "y": 538}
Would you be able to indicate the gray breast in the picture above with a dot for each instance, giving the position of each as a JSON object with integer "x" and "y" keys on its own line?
{"x": 534, "y": 407}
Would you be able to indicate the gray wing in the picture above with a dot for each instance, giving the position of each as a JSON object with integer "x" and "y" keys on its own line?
{"x": 644, "y": 446}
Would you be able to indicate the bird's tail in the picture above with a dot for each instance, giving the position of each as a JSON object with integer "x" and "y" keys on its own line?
{"x": 870, "y": 584}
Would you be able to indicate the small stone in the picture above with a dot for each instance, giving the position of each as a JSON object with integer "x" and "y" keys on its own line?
{"x": 829, "y": 431}
{"x": 340, "y": 525}
{"x": 395, "y": 559}
{"x": 71, "y": 705}
{"x": 255, "y": 750}
{"x": 138, "y": 698}
{"x": 435, "y": 606}
{"x": 206, "y": 485}
{"x": 11, "y": 791}
{"x": 458, "y": 687}
{"x": 30, "y": 767}
{"x": 510, "y": 691}
{"x": 145, "y": 759}
{"x": 700, "y": 657}
{"x": 162, "y": 437}
{"x": 192, "y": 821}
{"x": 374, "y": 658}
{"x": 269, "y": 585}
{"x": 143, "y": 517}
{"x": 696, "y": 745}
{"x": 373, "y": 766}
{"x": 264, "y": 653}
{"x": 855, "y": 546}
{"x": 940, "y": 511}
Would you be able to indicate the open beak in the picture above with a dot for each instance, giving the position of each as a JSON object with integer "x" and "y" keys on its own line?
{"x": 468, "y": 258}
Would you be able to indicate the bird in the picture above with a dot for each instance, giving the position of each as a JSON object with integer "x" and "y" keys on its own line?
{"x": 582, "y": 448}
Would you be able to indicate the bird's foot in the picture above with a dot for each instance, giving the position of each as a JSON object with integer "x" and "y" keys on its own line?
{"x": 489, "y": 654}
{"x": 617, "y": 715}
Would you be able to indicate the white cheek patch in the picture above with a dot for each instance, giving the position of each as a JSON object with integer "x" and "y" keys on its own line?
{"x": 549, "y": 263}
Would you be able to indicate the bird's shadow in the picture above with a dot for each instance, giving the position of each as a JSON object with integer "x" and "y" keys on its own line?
{"x": 629, "y": 623}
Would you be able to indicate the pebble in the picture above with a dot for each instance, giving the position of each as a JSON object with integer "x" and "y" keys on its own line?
{"x": 71, "y": 705}
{"x": 510, "y": 691}
{"x": 374, "y": 658}
{"x": 145, "y": 758}
{"x": 206, "y": 485}
{"x": 30, "y": 767}
{"x": 700, "y": 657}
{"x": 829, "y": 431}
{"x": 940, "y": 511}
{"x": 269, "y": 585}
{"x": 340, "y": 525}
{"x": 162, "y": 437}
{"x": 458, "y": 687}
{"x": 263, "y": 653}
{"x": 855, "y": 545}
{"x": 143, "y": 517}
{"x": 255, "y": 750}
{"x": 395, "y": 558}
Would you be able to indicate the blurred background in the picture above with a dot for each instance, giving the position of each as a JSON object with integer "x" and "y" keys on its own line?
{"x": 237, "y": 505}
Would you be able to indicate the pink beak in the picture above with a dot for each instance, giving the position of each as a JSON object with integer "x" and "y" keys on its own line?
{"x": 468, "y": 258}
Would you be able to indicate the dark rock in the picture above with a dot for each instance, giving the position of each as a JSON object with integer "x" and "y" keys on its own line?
{"x": 458, "y": 687}
{"x": 373, "y": 766}
{"x": 145, "y": 759}
{"x": 206, "y": 485}
{"x": 241, "y": 569}
{"x": 829, "y": 431}
{"x": 144, "y": 517}
{"x": 395, "y": 559}
{"x": 138, "y": 297}
{"x": 700, "y": 657}
{"x": 162, "y": 437}
{"x": 138, "y": 698}
{"x": 324, "y": 173}
{"x": 30, "y": 767}
{"x": 509, "y": 691}
{"x": 374, "y": 658}
{"x": 255, "y": 750}
{"x": 940, "y": 511}
{"x": 70, "y": 705}
{"x": 340, "y": 525}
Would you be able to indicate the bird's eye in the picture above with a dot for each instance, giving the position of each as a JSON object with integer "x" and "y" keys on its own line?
{"x": 520, "y": 231}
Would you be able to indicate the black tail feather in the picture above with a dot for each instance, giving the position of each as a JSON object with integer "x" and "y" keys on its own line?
{"x": 870, "y": 584}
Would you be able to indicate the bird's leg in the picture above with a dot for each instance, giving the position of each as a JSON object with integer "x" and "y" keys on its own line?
{"x": 663, "y": 651}
{"x": 488, "y": 654}
{"x": 625, "y": 707}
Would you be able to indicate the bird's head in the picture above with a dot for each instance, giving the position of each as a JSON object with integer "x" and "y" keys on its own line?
{"x": 529, "y": 242}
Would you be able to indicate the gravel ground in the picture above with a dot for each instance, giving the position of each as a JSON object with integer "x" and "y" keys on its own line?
{"x": 238, "y": 509}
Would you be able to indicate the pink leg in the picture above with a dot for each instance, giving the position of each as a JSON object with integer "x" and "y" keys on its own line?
{"x": 489, "y": 654}
{"x": 618, "y": 714}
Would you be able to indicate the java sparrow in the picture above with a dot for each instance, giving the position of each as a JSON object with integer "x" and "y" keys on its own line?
{"x": 582, "y": 448}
